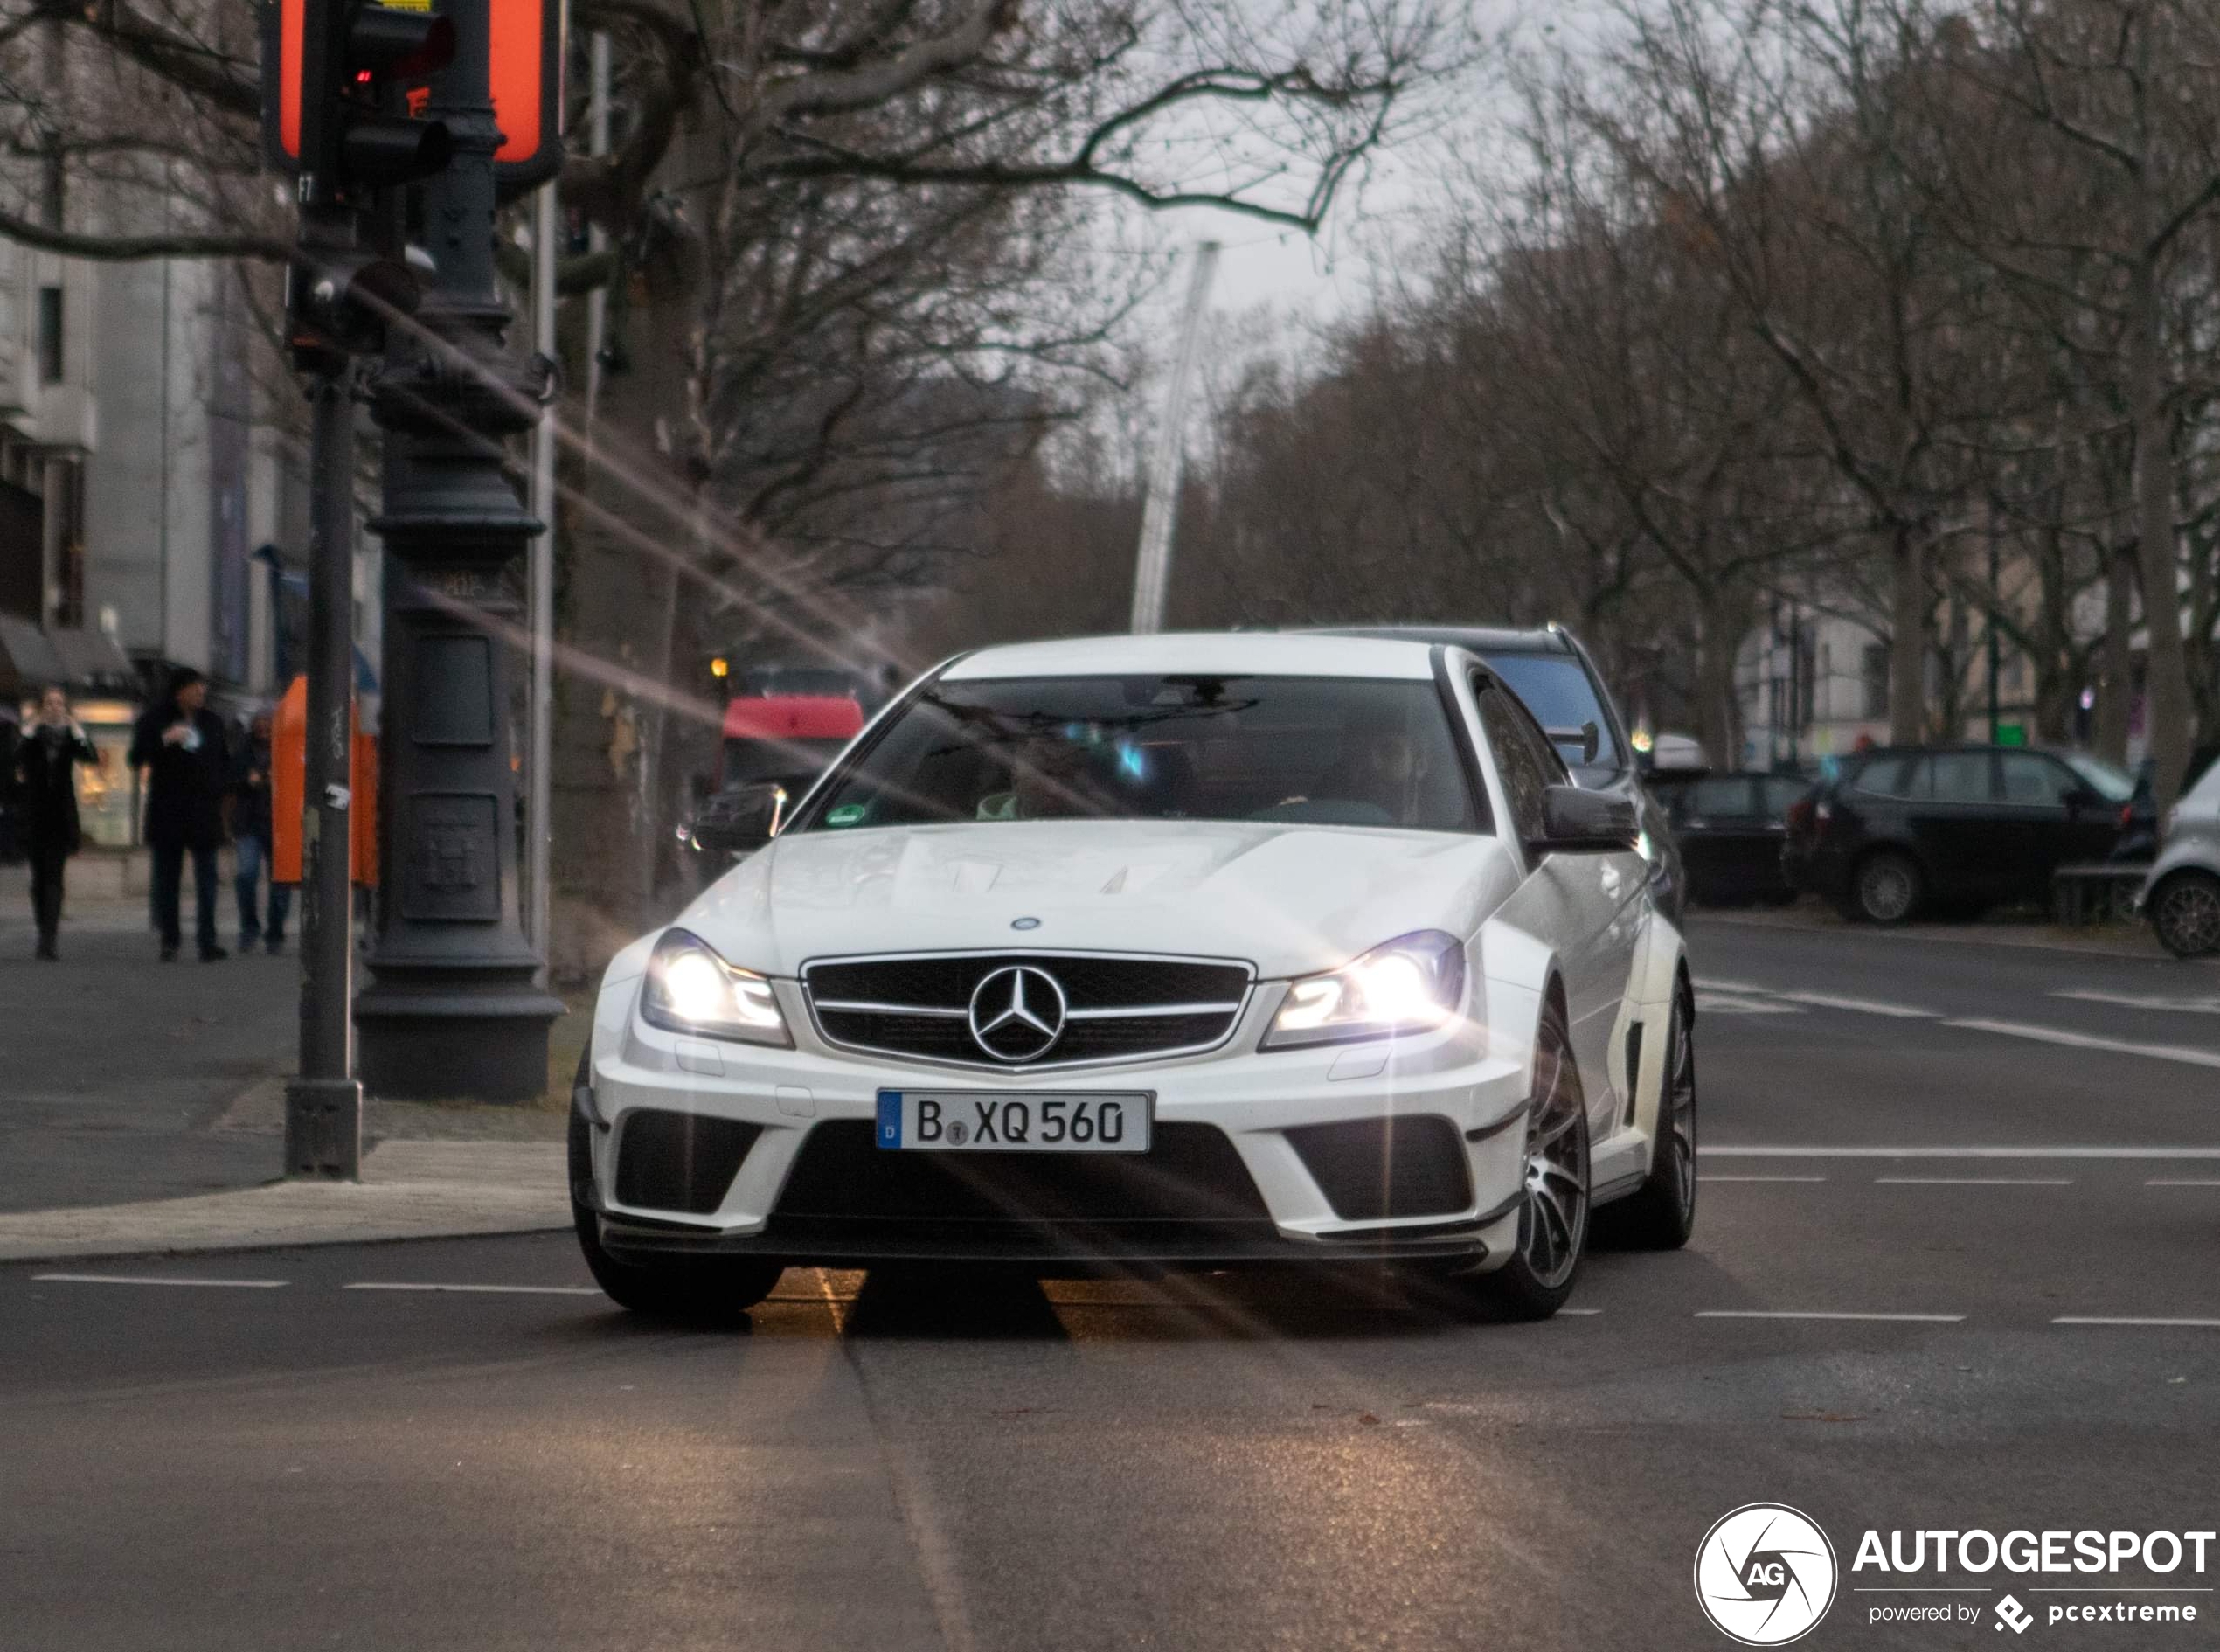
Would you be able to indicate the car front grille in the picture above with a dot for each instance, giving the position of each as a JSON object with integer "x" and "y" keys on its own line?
{"x": 1078, "y": 1008}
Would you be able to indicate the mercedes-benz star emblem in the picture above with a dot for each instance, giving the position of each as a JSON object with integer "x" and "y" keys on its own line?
{"x": 1016, "y": 1013}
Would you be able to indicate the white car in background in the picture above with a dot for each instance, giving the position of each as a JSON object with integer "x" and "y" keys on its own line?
{"x": 1146, "y": 953}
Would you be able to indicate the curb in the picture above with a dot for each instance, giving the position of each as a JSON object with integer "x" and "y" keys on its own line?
{"x": 410, "y": 1190}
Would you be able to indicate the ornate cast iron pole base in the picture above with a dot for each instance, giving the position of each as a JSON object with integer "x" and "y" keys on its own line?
{"x": 452, "y": 1010}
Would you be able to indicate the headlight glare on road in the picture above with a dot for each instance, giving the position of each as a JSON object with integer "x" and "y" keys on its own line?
{"x": 1414, "y": 984}
{"x": 689, "y": 989}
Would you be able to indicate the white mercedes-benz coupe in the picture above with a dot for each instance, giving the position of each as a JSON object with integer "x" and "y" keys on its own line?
{"x": 1147, "y": 953}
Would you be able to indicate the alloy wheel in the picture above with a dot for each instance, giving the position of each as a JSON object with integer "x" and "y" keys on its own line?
{"x": 1886, "y": 888}
{"x": 1553, "y": 1224}
{"x": 2188, "y": 916}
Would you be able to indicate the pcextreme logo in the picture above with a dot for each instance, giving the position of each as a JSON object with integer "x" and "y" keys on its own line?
{"x": 1765, "y": 1574}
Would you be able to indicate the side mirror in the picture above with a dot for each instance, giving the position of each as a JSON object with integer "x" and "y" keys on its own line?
{"x": 1583, "y": 822}
{"x": 743, "y": 819}
{"x": 1587, "y": 737}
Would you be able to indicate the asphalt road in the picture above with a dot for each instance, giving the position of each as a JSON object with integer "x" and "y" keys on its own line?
{"x": 1892, "y": 1127}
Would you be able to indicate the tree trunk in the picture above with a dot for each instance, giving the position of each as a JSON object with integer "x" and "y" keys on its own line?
{"x": 1726, "y": 614}
{"x": 2116, "y": 676}
{"x": 1908, "y": 639}
{"x": 2166, "y": 715}
{"x": 615, "y": 631}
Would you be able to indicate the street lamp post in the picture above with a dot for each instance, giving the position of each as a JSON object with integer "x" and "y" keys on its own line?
{"x": 452, "y": 1010}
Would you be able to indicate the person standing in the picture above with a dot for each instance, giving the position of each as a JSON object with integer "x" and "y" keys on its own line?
{"x": 45, "y": 776}
{"x": 180, "y": 744}
{"x": 252, "y": 835}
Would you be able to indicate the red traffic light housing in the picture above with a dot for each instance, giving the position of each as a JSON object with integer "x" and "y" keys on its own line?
{"x": 393, "y": 47}
{"x": 337, "y": 75}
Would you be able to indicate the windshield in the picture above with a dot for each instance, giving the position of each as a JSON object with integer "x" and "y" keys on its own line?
{"x": 1299, "y": 750}
{"x": 1557, "y": 689}
{"x": 2113, "y": 785}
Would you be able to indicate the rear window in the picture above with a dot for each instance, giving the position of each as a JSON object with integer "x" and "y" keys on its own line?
{"x": 1780, "y": 791}
{"x": 1715, "y": 797}
{"x": 1319, "y": 751}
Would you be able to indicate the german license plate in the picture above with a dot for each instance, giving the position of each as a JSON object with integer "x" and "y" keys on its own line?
{"x": 970, "y": 1122}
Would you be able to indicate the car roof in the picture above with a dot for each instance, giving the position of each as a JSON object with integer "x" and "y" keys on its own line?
{"x": 1481, "y": 639}
{"x": 1213, "y": 653}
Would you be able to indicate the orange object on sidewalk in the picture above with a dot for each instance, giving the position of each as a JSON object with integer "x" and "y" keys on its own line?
{"x": 289, "y": 758}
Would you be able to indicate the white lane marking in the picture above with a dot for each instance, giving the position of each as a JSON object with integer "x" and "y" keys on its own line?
{"x": 154, "y": 1278}
{"x": 2086, "y": 1319}
{"x": 1802, "y": 1313}
{"x": 1972, "y": 1181}
{"x": 1705, "y": 983}
{"x": 2089, "y": 1041}
{"x": 1579, "y": 1313}
{"x": 1710, "y": 1179}
{"x": 487, "y": 1290}
{"x": 1717, "y": 1003}
{"x": 2182, "y": 1181}
{"x": 2142, "y": 1000}
{"x": 1714, "y": 1150}
{"x": 1861, "y": 1006}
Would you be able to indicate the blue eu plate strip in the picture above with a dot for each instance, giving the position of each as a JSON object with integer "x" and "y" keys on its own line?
{"x": 890, "y": 1118}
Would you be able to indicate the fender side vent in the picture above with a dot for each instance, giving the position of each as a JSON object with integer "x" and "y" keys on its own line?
{"x": 1633, "y": 1068}
{"x": 679, "y": 1161}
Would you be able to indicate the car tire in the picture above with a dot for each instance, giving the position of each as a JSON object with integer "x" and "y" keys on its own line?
{"x": 2185, "y": 914}
{"x": 1553, "y": 1216}
{"x": 1886, "y": 887}
{"x": 693, "y": 1290}
{"x": 1660, "y": 1214}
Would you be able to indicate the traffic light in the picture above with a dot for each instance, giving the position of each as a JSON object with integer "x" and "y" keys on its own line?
{"x": 338, "y": 75}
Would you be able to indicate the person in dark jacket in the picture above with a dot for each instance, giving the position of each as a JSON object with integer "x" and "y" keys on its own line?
{"x": 180, "y": 743}
{"x": 252, "y": 835}
{"x": 45, "y": 778}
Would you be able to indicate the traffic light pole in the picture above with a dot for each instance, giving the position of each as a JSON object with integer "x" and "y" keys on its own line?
{"x": 324, "y": 1105}
{"x": 452, "y": 1010}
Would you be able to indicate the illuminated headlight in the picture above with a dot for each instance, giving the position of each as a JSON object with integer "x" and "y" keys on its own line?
{"x": 689, "y": 989}
{"x": 1412, "y": 985}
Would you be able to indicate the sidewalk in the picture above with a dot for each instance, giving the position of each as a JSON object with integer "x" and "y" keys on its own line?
{"x": 141, "y": 1109}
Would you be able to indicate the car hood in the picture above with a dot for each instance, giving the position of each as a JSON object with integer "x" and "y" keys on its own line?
{"x": 1288, "y": 898}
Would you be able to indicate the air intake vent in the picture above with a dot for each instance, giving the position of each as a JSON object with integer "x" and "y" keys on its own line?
{"x": 1375, "y": 1169}
{"x": 679, "y": 1161}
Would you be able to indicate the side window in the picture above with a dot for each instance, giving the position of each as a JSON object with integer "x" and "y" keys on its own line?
{"x": 1960, "y": 777}
{"x": 1523, "y": 759}
{"x": 2030, "y": 779}
{"x": 1893, "y": 777}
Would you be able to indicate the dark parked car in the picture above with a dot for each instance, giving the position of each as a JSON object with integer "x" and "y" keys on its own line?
{"x": 1548, "y": 668}
{"x": 1730, "y": 829}
{"x": 1962, "y": 827}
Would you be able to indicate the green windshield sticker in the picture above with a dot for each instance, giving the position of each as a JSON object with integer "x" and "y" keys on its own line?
{"x": 846, "y": 814}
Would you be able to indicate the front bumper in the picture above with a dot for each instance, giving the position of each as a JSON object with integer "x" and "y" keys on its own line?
{"x": 1237, "y": 1190}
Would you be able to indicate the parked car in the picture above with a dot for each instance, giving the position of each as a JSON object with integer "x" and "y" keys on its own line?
{"x": 1730, "y": 829}
{"x": 2138, "y": 823}
{"x": 1554, "y": 675}
{"x": 2181, "y": 895}
{"x": 1151, "y": 952}
{"x": 1955, "y": 827}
